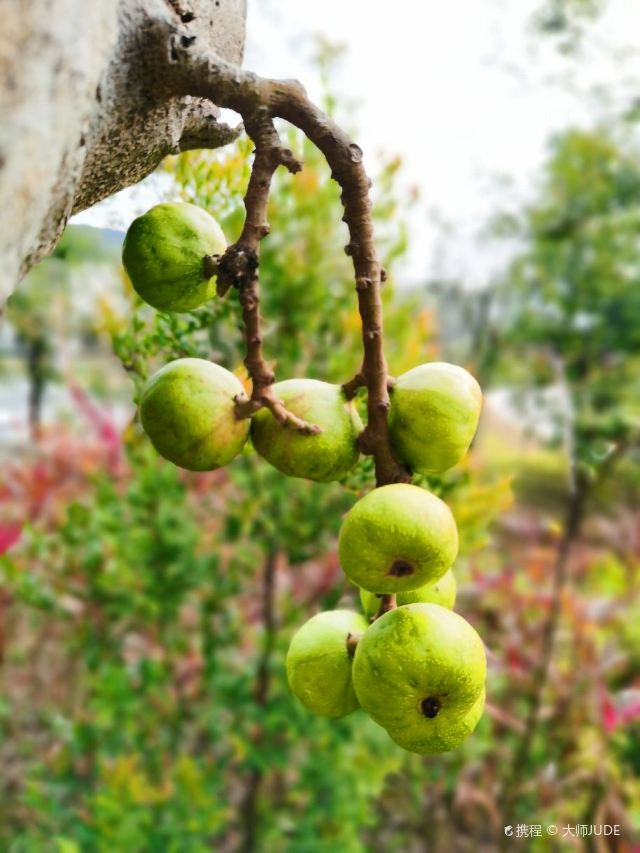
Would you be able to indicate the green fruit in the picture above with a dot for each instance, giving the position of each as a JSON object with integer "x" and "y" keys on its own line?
{"x": 164, "y": 252}
{"x": 448, "y": 736}
{"x": 433, "y": 416}
{"x": 419, "y": 671}
{"x": 188, "y": 411}
{"x": 442, "y": 592}
{"x": 397, "y": 538}
{"x": 319, "y": 662}
{"x": 325, "y": 456}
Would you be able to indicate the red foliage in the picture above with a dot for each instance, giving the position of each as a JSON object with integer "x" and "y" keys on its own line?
{"x": 9, "y": 535}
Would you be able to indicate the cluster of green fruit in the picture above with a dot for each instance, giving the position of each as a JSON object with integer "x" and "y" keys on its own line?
{"x": 418, "y": 669}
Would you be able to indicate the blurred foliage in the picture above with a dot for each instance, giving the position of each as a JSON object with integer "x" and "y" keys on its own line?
{"x": 567, "y": 21}
{"x": 150, "y": 747}
{"x": 567, "y": 339}
{"x": 573, "y": 315}
{"x": 47, "y": 317}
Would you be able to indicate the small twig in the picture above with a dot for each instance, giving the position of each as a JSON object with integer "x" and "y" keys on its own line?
{"x": 239, "y": 266}
{"x": 248, "y": 406}
{"x": 351, "y": 388}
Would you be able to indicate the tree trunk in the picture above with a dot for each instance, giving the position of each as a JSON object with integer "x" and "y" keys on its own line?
{"x": 88, "y": 106}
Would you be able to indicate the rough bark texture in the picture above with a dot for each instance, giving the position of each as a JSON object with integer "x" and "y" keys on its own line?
{"x": 88, "y": 106}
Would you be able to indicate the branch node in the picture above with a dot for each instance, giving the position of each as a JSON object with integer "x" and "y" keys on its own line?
{"x": 350, "y": 388}
{"x": 210, "y": 265}
{"x": 244, "y": 406}
{"x": 355, "y": 153}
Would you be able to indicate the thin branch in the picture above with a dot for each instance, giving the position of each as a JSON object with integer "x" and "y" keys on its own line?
{"x": 258, "y": 100}
{"x": 351, "y": 388}
{"x": 239, "y": 265}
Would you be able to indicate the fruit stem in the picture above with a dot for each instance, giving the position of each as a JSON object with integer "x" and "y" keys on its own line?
{"x": 352, "y": 643}
{"x": 387, "y": 602}
{"x": 210, "y": 265}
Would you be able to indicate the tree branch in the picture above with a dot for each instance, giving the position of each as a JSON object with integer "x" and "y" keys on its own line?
{"x": 258, "y": 100}
{"x": 201, "y": 128}
{"x": 239, "y": 265}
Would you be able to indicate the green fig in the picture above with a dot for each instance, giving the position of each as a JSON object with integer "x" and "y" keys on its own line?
{"x": 419, "y": 671}
{"x": 397, "y": 538}
{"x": 188, "y": 411}
{"x": 442, "y": 592}
{"x": 327, "y": 455}
{"x": 449, "y": 735}
{"x": 433, "y": 416}
{"x": 319, "y": 662}
{"x": 164, "y": 255}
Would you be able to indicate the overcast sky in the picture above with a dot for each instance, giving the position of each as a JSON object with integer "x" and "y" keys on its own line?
{"x": 459, "y": 89}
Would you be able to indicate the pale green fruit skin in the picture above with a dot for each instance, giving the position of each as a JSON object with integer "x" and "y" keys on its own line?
{"x": 433, "y": 416}
{"x": 187, "y": 410}
{"x": 319, "y": 665}
{"x": 416, "y": 652}
{"x": 164, "y": 251}
{"x": 442, "y": 592}
{"x": 443, "y": 739}
{"x": 328, "y": 455}
{"x": 399, "y": 522}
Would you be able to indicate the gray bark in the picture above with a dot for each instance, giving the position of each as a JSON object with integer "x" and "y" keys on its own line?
{"x": 88, "y": 106}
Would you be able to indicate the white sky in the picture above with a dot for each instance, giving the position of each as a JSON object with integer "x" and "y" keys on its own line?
{"x": 457, "y": 88}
